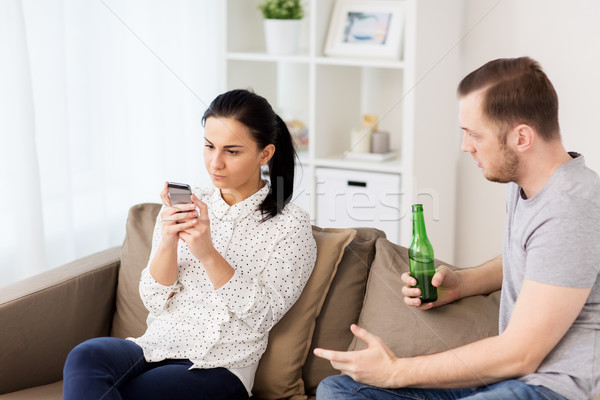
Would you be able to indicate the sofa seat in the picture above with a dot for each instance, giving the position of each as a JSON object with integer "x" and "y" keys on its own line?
{"x": 52, "y": 391}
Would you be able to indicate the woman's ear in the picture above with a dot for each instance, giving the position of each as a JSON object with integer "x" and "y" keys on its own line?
{"x": 266, "y": 154}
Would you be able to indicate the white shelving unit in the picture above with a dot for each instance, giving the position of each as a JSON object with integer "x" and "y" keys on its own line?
{"x": 414, "y": 98}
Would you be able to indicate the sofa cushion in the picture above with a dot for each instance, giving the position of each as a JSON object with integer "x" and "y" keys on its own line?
{"x": 130, "y": 316}
{"x": 279, "y": 374}
{"x": 408, "y": 331}
{"x": 342, "y": 306}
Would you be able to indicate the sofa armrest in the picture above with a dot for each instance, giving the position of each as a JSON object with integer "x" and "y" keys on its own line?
{"x": 45, "y": 316}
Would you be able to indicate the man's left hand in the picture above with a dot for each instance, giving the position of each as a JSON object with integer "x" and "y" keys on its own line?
{"x": 374, "y": 365}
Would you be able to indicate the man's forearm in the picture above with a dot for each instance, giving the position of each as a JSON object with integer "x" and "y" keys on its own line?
{"x": 480, "y": 363}
{"x": 484, "y": 279}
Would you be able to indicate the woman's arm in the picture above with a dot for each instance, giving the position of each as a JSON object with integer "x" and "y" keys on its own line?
{"x": 159, "y": 280}
{"x": 172, "y": 221}
{"x": 199, "y": 241}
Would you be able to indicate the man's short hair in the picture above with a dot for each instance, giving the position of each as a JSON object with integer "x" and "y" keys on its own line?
{"x": 516, "y": 91}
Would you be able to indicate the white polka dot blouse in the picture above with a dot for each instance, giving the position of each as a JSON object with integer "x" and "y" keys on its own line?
{"x": 228, "y": 327}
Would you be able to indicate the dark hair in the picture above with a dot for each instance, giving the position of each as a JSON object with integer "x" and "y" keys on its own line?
{"x": 266, "y": 127}
{"x": 516, "y": 91}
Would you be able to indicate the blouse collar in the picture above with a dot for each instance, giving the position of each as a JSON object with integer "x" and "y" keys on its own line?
{"x": 224, "y": 211}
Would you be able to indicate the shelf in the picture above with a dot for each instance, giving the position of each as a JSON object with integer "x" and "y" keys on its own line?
{"x": 305, "y": 58}
{"x": 264, "y": 57}
{"x": 360, "y": 62}
{"x": 392, "y": 166}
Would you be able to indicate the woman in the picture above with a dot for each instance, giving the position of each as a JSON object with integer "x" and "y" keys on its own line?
{"x": 222, "y": 271}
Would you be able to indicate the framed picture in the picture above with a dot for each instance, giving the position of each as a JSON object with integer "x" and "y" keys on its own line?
{"x": 366, "y": 28}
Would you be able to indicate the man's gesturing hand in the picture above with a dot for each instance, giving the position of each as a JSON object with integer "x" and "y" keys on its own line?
{"x": 375, "y": 365}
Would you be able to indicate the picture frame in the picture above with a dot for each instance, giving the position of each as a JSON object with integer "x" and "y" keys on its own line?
{"x": 366, "y": 28}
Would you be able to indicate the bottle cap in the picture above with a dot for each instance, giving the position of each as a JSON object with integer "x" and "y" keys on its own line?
{"x": 417, "y": 207}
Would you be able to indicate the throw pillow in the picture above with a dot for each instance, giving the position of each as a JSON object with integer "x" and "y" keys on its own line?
{"x": 408, "y": 331}
{"x": 130, "y": 316}
{"x": 342, "y": 306}
{"x": 279, "y": 374}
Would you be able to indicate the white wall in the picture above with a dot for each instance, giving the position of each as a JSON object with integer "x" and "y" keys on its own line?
{"x": 564, "y": 36}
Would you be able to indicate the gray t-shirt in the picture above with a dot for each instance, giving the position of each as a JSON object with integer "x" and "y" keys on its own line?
{"x": 554, "y": 238}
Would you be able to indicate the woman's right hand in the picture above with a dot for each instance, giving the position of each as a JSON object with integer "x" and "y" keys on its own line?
{"x": 445, "y": 280}
{"x": 173, "y": 220}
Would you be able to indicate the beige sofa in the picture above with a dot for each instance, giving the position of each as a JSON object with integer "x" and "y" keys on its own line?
{"x": 356, "y": 279}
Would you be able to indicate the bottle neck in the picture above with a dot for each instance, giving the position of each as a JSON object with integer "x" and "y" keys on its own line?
{"x": 419, "y": 224}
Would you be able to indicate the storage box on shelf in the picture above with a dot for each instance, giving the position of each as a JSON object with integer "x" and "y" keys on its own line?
{"x": 359, "y": 199}
{"x": 414, "y": 97}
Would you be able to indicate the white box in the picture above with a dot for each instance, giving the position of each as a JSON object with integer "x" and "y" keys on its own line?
{"x": 348, "y": 198}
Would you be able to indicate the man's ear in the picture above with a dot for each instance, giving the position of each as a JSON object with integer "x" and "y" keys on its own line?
{"x": 266, "y": 154}
{"x": 523, "y": 136}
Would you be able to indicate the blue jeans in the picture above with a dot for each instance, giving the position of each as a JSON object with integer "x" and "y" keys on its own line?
{"x": 340, "y": 387}
{"x": 109, "y": 369}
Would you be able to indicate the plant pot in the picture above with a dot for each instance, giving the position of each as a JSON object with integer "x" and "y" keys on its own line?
{"x": 282, "y": 36}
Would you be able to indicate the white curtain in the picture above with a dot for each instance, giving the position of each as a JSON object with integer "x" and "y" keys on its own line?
{"x": 100, "y": 103}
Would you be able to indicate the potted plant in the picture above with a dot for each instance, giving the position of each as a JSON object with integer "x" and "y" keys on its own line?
{"x": 282, "y": 25}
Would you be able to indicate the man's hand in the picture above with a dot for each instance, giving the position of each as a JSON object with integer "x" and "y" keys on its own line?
{"x": 445, "y": 280}
{"x": 375, "y": 365}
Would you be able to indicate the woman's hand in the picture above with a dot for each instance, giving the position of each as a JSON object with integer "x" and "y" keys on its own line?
{"x": 197, "y": 236}
{"x": 175, "y": 220}
{"x": 445, "y": 280}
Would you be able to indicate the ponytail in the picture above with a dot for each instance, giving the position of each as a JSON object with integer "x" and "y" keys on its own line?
{"x": 281, "y": 172}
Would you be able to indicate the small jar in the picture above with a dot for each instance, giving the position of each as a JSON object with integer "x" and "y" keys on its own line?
{"x": 360, "y": 140}
{"x": 380, "y": 142}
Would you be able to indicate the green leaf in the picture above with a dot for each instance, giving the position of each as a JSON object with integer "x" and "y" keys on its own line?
{"x": 282, "y": 9}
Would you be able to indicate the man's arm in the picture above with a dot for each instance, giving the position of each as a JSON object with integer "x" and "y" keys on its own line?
{"x": 542, "y": 315}
{"x": 454, "y": 285}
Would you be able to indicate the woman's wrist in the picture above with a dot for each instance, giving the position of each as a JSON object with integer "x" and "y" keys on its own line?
{"x": 168, "y": 245}
{"x": 212, "y": 258}
{"x": 163, "y": 267}
{"x": 218, "y": 269}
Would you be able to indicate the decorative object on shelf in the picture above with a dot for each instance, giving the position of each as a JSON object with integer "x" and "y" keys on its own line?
{"x": 282, "y": 25}
{"x": 299, "y": 133}
{"x": 360, "y": 138}
{"x": 368, "y": 143}
{"x": 366, "y": 28}
{"x": 380, "y": 142}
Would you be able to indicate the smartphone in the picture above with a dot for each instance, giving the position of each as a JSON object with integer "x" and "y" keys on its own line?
{"x": 180, "y": 193}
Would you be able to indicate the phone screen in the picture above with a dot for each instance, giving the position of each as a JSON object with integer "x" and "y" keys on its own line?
{"x": 179, "y": 193}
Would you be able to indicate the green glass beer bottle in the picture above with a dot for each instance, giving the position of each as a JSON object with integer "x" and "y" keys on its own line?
{"x": 421, "y": 259}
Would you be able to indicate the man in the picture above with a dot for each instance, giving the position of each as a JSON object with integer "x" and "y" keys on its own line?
{"x": 549, "y": 341}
